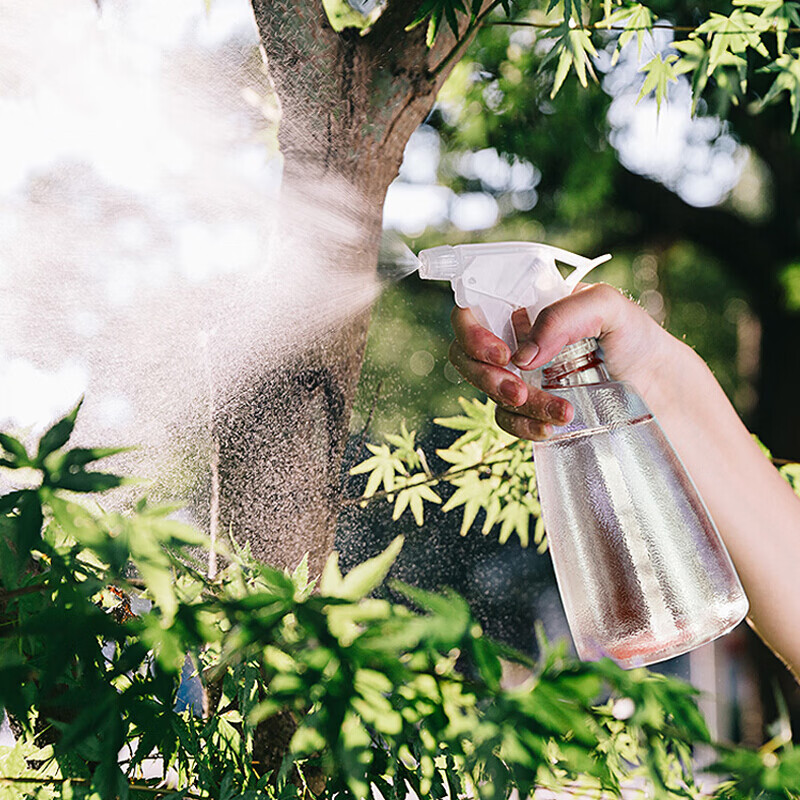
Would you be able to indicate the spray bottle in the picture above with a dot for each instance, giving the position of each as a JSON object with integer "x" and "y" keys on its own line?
{"x": 641, "y": 569}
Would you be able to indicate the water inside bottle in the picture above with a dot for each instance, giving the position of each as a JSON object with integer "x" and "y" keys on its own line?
{"x": 640, "y": 566}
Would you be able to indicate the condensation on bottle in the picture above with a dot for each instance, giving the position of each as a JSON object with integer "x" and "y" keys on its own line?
{"x": 641, "y": 568}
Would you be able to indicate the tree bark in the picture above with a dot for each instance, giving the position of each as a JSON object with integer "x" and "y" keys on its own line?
{"x": 349, "y": 103}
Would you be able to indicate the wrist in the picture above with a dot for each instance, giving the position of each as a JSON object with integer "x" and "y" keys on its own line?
{"x": 667, "y": 378}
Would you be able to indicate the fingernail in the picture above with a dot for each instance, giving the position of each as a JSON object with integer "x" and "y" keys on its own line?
{"x": 526, "y": 353}
{"x": 497, "y": 355}
{"x": 510, "y": 392}
{"x": 556, "y": 410}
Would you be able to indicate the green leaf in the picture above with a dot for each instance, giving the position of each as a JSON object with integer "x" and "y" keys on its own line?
{"x": 659, "y": 73}
{"x": 787, "y": 80}
{"x": 573, "y": 49}
{"x": 437, "y": 10}
{"x": 81, "y": 456}
{"x": 20, "y": 534}
{"x": 423, "y": 12}
{"x": 791, "y": 474}
{"x": 570, "y": 8}
{"x": 79, "y": 523}
{"x": 300, "y": 575}
{"x": 330, "y": 581}
{"x": 778, "y": 16}
{"x": 732, "y": 35}
{"x": 160, "y": 583}
{"x": 362, "y": 579}
{"x": 412, "y": 495}
{"x": 452, "y": 18}
{"x": 433, "y": 25}
{"x": 695, "y": 62}
{"x": 450, "y": 607}
{"x": 487, "y": 661}
{"x": 28, "y": 525}
{"x": 637, "y": 19}
{"x": 58, "y": 435}
{"x": 89, "y": 481}
{"x": 342, "y": 15}
{"x": 405, "y": 447}
{"x": 15, "y": 449}
{"x": 383, "y": 466}
{"x": 478, "y": 424}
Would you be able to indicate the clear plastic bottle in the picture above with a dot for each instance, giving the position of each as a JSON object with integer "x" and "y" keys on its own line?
{"x": 642, "y": 571}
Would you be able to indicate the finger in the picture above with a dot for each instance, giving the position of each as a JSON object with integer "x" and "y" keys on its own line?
{"x": 595, "y": 311}
{"x": 501, "y": 385}
{"x": 545, "y": 407}
{"x": 522, "y": 427}
{"x": 476, "y": 341}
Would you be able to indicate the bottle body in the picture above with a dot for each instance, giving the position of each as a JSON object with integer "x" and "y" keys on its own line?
{"x": 642, "y": 571}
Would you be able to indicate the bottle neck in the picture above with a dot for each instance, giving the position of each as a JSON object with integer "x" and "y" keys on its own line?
{"x": 575, "y": 365}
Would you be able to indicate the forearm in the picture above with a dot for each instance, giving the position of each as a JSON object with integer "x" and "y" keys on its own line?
{"x": 755, "y": 510}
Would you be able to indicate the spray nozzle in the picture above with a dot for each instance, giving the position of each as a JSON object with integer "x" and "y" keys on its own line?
{"x": 440, "y": 263}
{"x": 496, "y": 279}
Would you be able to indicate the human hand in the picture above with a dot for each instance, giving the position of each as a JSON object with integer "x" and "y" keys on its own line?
{"x": 634, "y": 346}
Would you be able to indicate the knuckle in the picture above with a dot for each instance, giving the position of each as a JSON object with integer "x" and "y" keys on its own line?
{"x": 536, "y": 403}
{"x": 605, "y": 293}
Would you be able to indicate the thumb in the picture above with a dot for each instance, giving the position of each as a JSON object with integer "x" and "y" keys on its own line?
{"x": 596, "y": 311}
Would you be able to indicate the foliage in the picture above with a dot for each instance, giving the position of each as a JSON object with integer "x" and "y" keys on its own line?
{"x": 434, "y": 11}
{"x": 93, "y": 650}
{"x": 725, "y": 48}
{"x": 491, "y": 471}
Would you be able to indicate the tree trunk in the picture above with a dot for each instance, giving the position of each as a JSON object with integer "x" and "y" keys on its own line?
{"x": 349, "y": 103}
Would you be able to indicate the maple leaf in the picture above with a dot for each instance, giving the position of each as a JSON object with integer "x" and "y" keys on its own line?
{"x": 658, "y": 74}
{"x": 412, "y": 496}
{"x": 733, "y": 34}
{"x": 787, "y": 68}
{"x": 778, "y": 15}
{"x": 638, "y": 20}
{"x": 383, "y": 466}
{"x": 573, "y": 48}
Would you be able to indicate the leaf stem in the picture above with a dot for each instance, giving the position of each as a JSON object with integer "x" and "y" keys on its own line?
{"x": 6, "y": 595}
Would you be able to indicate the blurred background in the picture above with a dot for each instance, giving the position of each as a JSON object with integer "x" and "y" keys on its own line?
{"x": 138, "y": 181}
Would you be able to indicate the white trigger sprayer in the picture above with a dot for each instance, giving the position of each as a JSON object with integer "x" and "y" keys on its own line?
{"x": 496, "y": 279}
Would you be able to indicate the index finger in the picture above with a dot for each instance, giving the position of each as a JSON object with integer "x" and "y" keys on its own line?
{"x": 478, "y": 342}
